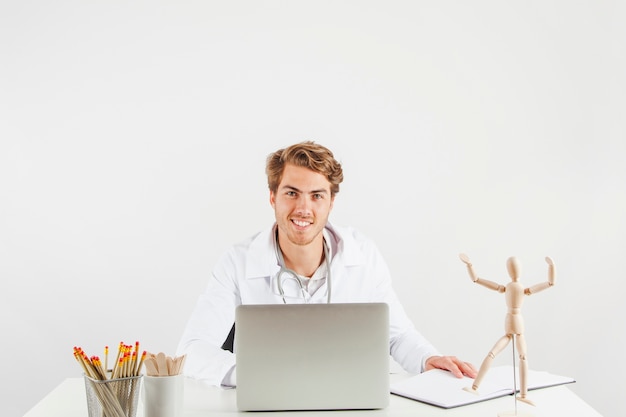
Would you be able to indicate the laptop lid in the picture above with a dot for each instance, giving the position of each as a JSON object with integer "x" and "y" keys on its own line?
{"x": 312, "y": 356}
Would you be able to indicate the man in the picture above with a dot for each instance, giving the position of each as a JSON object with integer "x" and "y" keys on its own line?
{"x": 301, "y": 258}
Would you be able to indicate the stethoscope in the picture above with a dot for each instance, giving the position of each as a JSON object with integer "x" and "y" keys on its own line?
{"x": 291, "y": 274}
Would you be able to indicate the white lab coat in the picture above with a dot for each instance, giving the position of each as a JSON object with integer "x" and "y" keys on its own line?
{"x": 246, "y": 274}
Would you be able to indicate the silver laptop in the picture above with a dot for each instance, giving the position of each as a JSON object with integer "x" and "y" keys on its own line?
{"x": 312, "y": 356}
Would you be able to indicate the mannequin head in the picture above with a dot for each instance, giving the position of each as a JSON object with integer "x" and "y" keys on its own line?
{"x": 512, "y": 265}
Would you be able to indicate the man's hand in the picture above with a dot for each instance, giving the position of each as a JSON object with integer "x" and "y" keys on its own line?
{"x": 452, "y": 364}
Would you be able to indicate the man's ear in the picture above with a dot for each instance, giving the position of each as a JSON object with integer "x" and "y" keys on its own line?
{"x": 272, "y": 199}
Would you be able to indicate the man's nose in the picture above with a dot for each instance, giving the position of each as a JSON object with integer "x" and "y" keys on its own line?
{"x": 303, "y": 205}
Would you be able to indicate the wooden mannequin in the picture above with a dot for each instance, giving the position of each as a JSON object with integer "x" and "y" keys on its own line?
{"x": 514, "y": 323}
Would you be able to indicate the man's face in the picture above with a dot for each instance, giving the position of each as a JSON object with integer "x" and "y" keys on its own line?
{"x": 302, "y": 203}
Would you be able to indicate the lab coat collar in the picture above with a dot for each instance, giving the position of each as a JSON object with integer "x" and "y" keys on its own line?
{"x": 262, "y": 262}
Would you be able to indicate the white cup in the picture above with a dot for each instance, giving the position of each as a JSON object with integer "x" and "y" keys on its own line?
{"x": 163, "y": 396}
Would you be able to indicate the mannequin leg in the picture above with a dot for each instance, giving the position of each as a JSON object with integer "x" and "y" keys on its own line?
{"x": 484, "y": 367}
{"x": 523, "y": 368}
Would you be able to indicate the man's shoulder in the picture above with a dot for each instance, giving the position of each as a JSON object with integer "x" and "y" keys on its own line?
{"x": 260, "y": 239}
{"x": 252, "y": 251}
{"x": 350, "y": 239}
{"x": 355, "y": 248}
{"x": 347, "y": 233}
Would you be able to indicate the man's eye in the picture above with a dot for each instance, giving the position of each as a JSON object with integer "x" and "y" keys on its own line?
{"x": 318, "y": 196}
{"x": 291, "y": 193}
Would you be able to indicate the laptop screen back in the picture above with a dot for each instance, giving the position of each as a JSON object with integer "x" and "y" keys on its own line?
{"x": 312, "y": 356}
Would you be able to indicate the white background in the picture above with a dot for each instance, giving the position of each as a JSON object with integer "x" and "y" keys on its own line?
{"x": 133, "y": 137}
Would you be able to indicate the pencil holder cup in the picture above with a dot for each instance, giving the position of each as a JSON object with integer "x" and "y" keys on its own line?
{"x": 113, "y": 397}
{"x": 163, "y": 396}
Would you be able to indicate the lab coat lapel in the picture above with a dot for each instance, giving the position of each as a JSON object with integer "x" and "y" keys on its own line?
{"x": 261, "y": 261}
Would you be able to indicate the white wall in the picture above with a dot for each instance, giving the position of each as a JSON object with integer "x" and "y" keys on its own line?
{"x": 133, "y": 137}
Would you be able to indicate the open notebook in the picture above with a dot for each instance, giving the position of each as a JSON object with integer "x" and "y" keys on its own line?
{"x": 441, "y": 388}
{"x": 312, "y": 356}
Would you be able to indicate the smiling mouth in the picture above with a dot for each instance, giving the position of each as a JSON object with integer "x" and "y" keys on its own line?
{"x": 301, "y": 223}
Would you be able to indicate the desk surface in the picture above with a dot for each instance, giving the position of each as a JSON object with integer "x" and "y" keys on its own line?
{"x": 68, "y": 400}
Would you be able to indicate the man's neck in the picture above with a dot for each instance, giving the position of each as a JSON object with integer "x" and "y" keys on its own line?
{"x": 303, "y": 259}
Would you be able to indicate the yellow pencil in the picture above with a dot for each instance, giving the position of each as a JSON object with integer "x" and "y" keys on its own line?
{"x": 117, "y": 359}
{"x": 143, "y": 357}
{"x": 106, "y": 358}
{"x": 135, "y": 358}
{"x": 97, "y": 364}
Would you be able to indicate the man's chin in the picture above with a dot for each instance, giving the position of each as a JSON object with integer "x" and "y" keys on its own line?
{"x": 302, "y": 238}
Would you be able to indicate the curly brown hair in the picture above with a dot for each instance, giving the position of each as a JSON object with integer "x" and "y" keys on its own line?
{"x": 308, "y": 155}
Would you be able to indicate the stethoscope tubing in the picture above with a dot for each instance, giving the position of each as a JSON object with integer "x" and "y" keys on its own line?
{"x": 284, "y": 269}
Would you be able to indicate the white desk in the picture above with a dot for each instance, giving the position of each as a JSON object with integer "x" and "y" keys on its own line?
{"x": 68, "y": 400}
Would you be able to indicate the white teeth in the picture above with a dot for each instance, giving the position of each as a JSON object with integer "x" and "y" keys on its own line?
{"x": 301, "y": 223}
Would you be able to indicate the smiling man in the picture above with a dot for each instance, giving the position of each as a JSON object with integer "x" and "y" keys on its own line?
{"x": 301, "y": 258}
{"x": 302, "y": 203}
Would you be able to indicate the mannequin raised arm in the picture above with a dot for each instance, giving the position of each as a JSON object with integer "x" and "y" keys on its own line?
{"x": 484, "y": 282}
{"x": 544, "y": 285}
